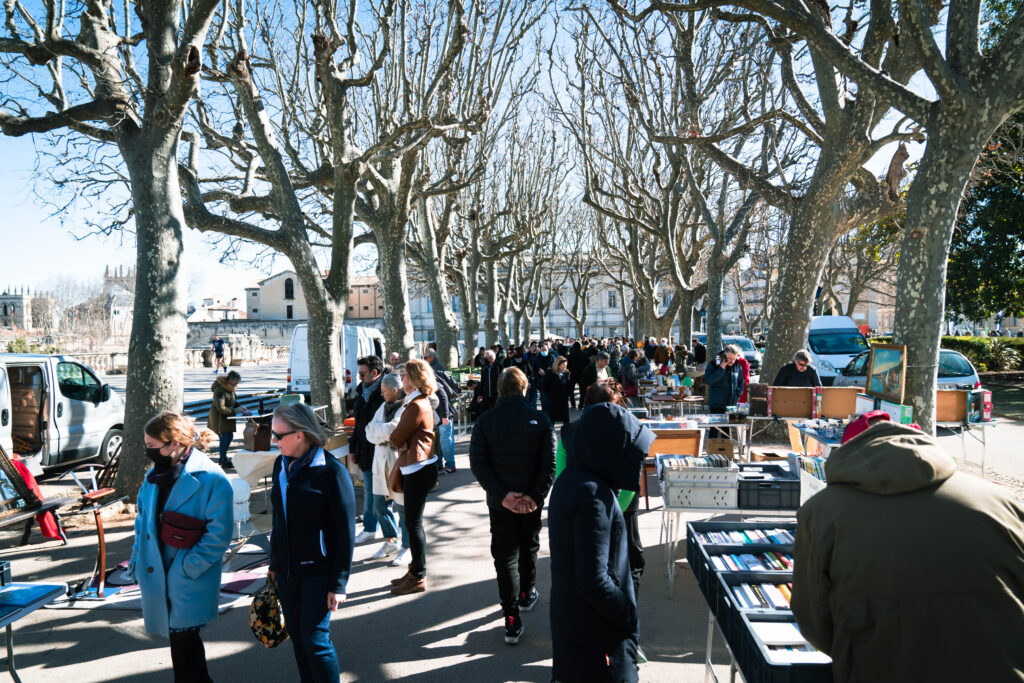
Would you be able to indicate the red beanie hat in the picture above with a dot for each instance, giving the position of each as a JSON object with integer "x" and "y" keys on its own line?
{"x": 862, "y": 423}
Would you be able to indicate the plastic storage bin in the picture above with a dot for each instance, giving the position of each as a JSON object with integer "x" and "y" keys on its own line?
{"x": 778, "y": 490}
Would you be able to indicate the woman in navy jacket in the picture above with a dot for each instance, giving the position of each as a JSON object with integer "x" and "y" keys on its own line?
{"x": 180, "y": 585}
{"x": 312, "y": 538}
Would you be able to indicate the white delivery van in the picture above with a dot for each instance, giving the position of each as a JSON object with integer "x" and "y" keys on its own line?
{"x": 54, "y": 411}
{"x": 833, "y": 340}
{"x": 356, "y": 342}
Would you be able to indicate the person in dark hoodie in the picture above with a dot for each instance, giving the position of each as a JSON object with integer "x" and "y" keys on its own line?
{"x": 368, "y": 400}
{"x": 222, "y": 409}
{"x": 907, "y": 570}
{"x": 593, "y": 607}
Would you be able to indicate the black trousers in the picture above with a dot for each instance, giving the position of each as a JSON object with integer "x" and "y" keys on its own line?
{"x": 571, "y": 386}
{"x": 634, "y": 546}
{"x": 188, "y": 657}
{"x": 417, "y": 485}
{"x": 515, "y": 542}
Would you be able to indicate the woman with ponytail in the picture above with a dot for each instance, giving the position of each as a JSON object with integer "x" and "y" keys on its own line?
{"x": 182, "y": 529}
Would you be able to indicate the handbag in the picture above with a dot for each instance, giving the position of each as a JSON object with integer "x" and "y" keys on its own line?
{"x": 395, "y": 479}
{"x": 180, "y": 531}
{"x": 266, "y": 618}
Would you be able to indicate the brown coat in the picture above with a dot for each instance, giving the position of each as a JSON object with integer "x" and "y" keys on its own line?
{"x": 662, "y": 355}
{"x": 413, "y": 438}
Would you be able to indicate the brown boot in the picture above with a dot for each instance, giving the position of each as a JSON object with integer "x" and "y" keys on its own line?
{"x": 402, "y": 579}
{"x": 413, "y": 585}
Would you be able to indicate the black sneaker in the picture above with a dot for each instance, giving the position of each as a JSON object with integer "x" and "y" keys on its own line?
{"x": 527, "y": 601}
{"x": 513, "y": 630}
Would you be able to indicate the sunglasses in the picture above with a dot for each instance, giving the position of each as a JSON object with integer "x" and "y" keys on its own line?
{"x": 802, "y": 364}
{"x": 278, "y": 437}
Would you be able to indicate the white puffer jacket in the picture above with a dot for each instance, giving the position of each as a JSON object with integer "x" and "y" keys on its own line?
{"x": 384, "y": 454}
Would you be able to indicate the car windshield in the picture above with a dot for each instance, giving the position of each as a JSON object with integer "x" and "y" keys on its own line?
{"x": 952, "y": 364}
{"x": 742, "y": 342}
{"x": 836, "y": 343}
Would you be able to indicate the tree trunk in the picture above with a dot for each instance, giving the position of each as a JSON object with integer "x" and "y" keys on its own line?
{"x": 470, "y": 322}
{"x": 686, "y": 317}
{"x": 391, "y": 271}
{"x": 326, "y": 320}
{"x": 714, "y": 302}
{"x": 491, "y": 303}
{"x": 811, "y": 230}
{"x": 156, "y": 349}
{"x": 932, "y": 204}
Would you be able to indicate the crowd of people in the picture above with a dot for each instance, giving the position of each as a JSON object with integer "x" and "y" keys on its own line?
{"x": 586, "y": 473}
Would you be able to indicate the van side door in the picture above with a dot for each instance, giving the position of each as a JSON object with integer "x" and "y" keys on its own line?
{"x": 78, "y": 411}
{"x": 6, "y": 416}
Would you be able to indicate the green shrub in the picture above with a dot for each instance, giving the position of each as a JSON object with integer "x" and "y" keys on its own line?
{"x": 1003, "y": 356}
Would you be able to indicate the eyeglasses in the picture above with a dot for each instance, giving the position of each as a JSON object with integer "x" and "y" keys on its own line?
{"x": 278, "y": 437}
{"x": 801, "y": 364}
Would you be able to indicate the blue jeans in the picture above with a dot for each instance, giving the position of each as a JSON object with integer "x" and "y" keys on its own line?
{"x": 369, "y": 519}
{"x": 222, "y": 449}
{"x": 400, "y": 509}
{"x": 304, "y": 604}
{"x": 447, "y": 432}
{"x": 382, "y": 513}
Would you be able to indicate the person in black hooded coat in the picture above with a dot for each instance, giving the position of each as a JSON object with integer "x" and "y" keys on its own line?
{"x": 593, "y": 606}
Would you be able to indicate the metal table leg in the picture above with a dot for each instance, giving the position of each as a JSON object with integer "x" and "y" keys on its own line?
{"x": 709, "y": 672}
{"x": 10, "y": 656}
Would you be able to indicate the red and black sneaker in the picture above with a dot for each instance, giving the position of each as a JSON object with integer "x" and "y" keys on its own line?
{"x": 528, "y": 600}
{"x": 513, "y": 629}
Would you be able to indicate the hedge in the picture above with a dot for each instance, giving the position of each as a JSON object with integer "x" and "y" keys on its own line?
{"x": 977, "y": 349}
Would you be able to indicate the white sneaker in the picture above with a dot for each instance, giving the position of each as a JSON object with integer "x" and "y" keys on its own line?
{"x": 364, "y": 536}
{"x": 386, "y": 549}
{"x": 403, "y": 558}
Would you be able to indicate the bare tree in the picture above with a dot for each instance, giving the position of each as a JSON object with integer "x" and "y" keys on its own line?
{"x": 863, "y": 261}
{"x": 127, "y": 88}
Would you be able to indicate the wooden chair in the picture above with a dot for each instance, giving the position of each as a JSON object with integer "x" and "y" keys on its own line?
{"x": 669, "y": 441}
{"x": 97, "y": 484}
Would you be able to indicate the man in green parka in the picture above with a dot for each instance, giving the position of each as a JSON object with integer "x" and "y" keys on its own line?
{"x": 906, "y": 569}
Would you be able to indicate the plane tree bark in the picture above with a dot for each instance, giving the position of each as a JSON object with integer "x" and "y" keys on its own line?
{"x": 125, "y": 88}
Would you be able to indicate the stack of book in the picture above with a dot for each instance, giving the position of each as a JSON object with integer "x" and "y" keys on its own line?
{"x": 763, "y": 595}
{"x": 676, "y": 462}
{"x": 753, "y": 562}
{"x": 745, "y": 536}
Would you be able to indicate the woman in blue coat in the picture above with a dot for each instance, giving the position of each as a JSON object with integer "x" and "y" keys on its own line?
{"x": 182, "y": 529}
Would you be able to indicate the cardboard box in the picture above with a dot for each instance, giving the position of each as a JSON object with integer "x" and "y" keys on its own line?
{"x": 790, "y": 401}
{"x": 719, "y": 446}
{"x": 951, "y": 406}
{"x": 896, "y": 412}
{"x": 835, "y": 402}
{"x": 766, "y": 456}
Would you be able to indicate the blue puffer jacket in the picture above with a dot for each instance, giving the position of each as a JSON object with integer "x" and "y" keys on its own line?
{"x": 725, "y": 385}
{"x": 180, "y": 587}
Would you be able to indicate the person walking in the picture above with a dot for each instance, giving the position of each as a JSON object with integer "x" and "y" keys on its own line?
{"x": 413, "y": 438}
{"x": 182, "y": 530}
{"x": 446, "y": 427}
{"x": 700, "y": 352}
{"x": 512, "y": 456}
{"x": 593, "y": 611}
{"x": 487, "y": 389}
{"x": 368, "y": 400}
{"x": 556, "y": 387}
{"x": 578, "y": 362}
{"x": 594, "y": 372}
{"x": 378, "y": 432}
{"x": 223, "y": 407}
{"x": 542, "y": 364}
{"x": 312, "y": 538}
{"x": 798, "y": 373}
{"x": 218, "y": 355}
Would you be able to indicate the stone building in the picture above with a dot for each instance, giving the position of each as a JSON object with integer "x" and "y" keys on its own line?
{"x": 16, "y": 309}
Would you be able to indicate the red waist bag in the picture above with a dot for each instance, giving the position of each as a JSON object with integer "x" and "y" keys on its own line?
{"x": 180, "y": 531}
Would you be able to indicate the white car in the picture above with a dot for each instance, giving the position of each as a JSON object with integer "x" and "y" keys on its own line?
{"x": 955, "y": 371}
{"x": 54, "y": 411}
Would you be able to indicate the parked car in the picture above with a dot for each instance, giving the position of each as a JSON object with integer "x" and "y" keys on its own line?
{"x": 833, "y": 340}
{"x": 54, "y": 410}
{"x": 356, "y": 342}
{"x": 750, "y": 351}
{"x": 955, "y": 371}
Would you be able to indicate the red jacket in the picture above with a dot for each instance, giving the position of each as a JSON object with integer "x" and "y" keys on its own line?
{"x": 742, "y": 362}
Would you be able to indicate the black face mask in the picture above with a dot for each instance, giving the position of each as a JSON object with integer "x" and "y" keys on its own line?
{"x": 161, "y": 462}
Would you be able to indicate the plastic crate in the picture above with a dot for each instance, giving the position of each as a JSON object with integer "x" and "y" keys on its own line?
{"x": 752, "y": 656}
{"x": 781, "y": 491}
{"x": 728, "y": 614}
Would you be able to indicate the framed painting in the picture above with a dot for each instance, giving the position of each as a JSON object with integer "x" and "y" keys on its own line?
{"x": 887, "y": 369}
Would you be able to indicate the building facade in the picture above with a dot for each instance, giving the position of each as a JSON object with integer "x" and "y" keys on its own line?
{"x": 280, "y": 297}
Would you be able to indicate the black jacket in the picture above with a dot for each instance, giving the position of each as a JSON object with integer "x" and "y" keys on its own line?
{"x": 513, "y": 449}
{"x": 363, "y": 410}
{"x": 700, "y": 353}
{"x": 789, "y": 376}
{"x": 593, "y": 607}
{"x": 488, "y": 386}
{"x": 556, "y": 386}
{"x": 578, "y": 361}
{"x": 541, "y": 362}
{"x": 316, "y": 537}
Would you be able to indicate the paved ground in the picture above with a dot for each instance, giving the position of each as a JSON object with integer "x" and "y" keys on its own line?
{"x": 451, "y": 633}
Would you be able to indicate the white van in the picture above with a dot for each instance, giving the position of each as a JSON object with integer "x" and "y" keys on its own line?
{"x": 55, "y": 411}
{"x": 356, "y": 342}
{"x": 833, "y": 340}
